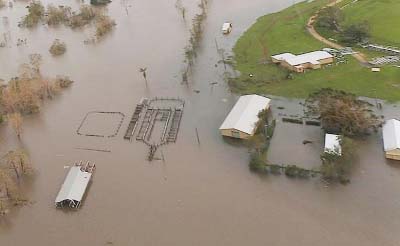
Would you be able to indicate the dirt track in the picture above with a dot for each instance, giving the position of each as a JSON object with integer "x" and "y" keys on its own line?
{"x": 310, "y": 27}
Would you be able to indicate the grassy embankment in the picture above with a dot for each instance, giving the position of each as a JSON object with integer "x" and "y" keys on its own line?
{"x": 285, "y": 31}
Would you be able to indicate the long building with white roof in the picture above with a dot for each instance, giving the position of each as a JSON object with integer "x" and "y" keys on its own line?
{"x": 298, "y": 63}
{"x": 241, "y": 122}
{"x": 391, "y": 139}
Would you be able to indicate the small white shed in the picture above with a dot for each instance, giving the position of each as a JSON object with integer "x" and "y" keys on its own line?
{"x": 242, "y": 121}
{"x": 332, "y": 144}
{"x": 391, "y": 139}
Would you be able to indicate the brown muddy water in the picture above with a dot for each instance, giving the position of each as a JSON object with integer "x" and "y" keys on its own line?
{"x": 203, "y": 194}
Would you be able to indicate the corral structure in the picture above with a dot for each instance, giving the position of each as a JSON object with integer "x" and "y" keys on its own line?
{"x": 242, "y": 120}
{"x": 299, "y": 63}
{"x": 391, "y": 139}
{"x": 75, "y": 185}
{"x": 158, "y": 115}
{"x": 332, "y": 144}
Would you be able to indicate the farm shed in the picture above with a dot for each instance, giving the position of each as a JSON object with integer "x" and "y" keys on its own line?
{"x": 298, "y": 63}
{"x": 74, "y": 186}
{"x": 391, "y": 139}
{"x": 241, "y": 122}
{"x": 332, "y": 144}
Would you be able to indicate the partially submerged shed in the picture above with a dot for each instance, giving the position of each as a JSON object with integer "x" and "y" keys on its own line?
{"x": 332, "y": 144}
{"x": 391, "y": 139}
{"x": 241, "y": 122}
{"x": 75, "y": 185}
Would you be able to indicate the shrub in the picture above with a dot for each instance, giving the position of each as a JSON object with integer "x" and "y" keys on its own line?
{"x": 104, "y": 25}
{"x": 58, "y": 48}
{"x": 84, "y": 17}
{"x": 63, "y": 81}
{"x": 58, "y": 15}
{"x": 35, "y": 14}
{"x": 256, "y": 162}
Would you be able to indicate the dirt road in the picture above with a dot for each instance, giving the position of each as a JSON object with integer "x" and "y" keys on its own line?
{"x": 310, "y": 27}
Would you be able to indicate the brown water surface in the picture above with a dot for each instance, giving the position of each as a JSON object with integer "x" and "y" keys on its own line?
{"x": 202, "y": 194}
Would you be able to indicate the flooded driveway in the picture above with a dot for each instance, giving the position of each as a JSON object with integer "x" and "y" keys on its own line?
{"x": 203, "y": 194}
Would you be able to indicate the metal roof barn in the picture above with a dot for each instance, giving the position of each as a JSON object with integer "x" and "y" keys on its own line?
{"x": 332, "y": 144}
{"x": 75, "y": 185}
{"x": 244, "y": 116}
{"x": 311, "y": 57}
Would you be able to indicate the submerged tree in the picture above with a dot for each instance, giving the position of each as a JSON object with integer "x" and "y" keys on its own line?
{"x": 180, "y": 8}
{"x": 58, "y": 48}
{"x": 341, "y": 112}
{"x": 18, "y": 161}
{"x": 15, "y": 120}
{"x": 143, "y": 71}
{"x": 35, "y": 14}
{"x": 336, "y": 165}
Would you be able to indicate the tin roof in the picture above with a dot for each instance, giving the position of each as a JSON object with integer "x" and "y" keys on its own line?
{"x": 311, "y": 57}
{"x": 244, "y": 115}
{"x": 391, "y": 135}
{"x": 74, "y": 186}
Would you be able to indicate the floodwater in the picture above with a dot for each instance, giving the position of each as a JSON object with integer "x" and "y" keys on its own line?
{"x": 203, "y": 194}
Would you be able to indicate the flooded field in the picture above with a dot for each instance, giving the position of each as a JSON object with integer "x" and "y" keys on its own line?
{"x": 202, "y": 194}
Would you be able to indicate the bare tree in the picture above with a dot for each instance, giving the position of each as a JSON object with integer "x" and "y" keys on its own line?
{"x": 15, "y": 120}
{"x": 180, "y": 8}
{"x": 19, "y": 162}
{"x": 143, "y": 71}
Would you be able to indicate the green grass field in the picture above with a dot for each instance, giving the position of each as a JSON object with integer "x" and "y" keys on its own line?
{"x": 285, "y": 32}
{"x": 383, "y": 17}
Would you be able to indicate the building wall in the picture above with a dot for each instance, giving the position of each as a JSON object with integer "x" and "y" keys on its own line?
{"x": 326, "y": 61}
{"x": 234, "y": 134}
{"x": 305, "y": 65}
{"x": 275, "y": 60}
{"x": 393, "y": 154}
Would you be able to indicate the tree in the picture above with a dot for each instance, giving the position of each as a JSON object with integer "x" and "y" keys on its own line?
{"x": 330, "y": 18}
{"x": 341, "y": 112}
{"x": 7, "y": 186}
{"x": 15, "y": 120}
{"x": 19, "y": 162}
{"x": 143, "y": 71}
{"x": 356, "y": 33}
{"x": 337, "y": 166}
{"x": 180, "y": 8}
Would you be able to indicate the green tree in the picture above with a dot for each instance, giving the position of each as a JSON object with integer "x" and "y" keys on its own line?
{"x": 337, "y": 166}
{"x": 356, "y": 33}
{"x": 330, "y": 18}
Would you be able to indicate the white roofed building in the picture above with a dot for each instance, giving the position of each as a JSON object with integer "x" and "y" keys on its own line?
{"x": 332, "y": 144}
{"x": 298, "y": 63}
{"x": 241, "y": 122}
{"x": 391, "y": 139}
{"x": 75, "y": 185}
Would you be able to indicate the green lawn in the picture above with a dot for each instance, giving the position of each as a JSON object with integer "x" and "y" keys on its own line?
{"x": 383, "y": 17}
{"x": 285, "y": 32}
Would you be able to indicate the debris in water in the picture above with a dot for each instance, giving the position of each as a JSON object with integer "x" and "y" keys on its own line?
{"x": 307, "y": 141}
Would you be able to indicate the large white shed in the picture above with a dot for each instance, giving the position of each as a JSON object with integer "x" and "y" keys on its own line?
{"x": 391, "y": 139}
{"x": 241, "y": 122}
